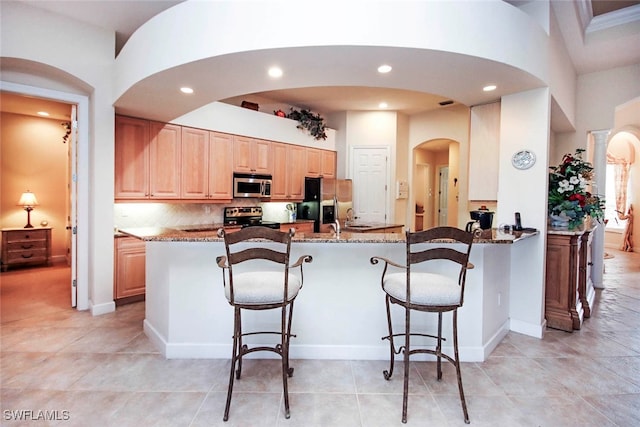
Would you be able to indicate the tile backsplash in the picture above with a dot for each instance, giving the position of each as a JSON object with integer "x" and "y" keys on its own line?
{"x": 127, "y": 215}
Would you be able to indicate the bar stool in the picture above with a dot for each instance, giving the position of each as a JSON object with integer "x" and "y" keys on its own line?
{"x": 427, "y": 292}
{"x": 260, "y": 288}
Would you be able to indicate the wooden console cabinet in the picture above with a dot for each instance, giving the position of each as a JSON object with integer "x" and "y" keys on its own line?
{"x": 25, "y": 246}
{"x": 568, "y": 287}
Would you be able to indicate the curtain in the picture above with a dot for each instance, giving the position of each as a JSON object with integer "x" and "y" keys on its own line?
{"x": 621, "y": 185}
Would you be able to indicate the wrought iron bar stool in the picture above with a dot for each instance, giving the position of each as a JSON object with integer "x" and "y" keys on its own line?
{"x": 260, "y": 288}
{"x": 428, "y": 292}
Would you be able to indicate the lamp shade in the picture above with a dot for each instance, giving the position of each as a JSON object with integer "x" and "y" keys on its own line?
{"x": 28, "y": 199}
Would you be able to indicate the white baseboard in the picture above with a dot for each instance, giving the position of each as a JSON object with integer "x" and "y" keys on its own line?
{"x": 530, "y": 329}
{"x": 99, "y": 309}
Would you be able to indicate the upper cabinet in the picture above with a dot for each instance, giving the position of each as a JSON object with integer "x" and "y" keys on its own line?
{"x": 484, "y": 148}
{"x": 221, "y": 166}
{"x": 289, "y": 164}
{"x": 131, "y": 158}
{"x": 147, "y": 159}
{"x": 252, "y": 155}
{"x": 321, "y": 163}
{"x": 207, "y": 159}
{"x": 164, "y": 160}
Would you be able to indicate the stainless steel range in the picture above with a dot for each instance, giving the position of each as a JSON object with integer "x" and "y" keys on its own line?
{"x": 247, "y": 216}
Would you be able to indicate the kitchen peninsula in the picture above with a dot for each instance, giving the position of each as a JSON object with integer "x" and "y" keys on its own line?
{"x": 339, "y": 314}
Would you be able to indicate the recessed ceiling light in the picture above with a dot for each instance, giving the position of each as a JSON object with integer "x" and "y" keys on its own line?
{"x": 383, "y": 69}
{"x": 489, "y": 88}
{"x": 275, "y": 72}
{"x": 187, "y": 90}
{"x": 383, "y": 105}
{"x": 43, "y": 113}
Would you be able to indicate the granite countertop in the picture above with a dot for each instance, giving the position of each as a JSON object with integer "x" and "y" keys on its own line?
{"x": 370, "y": 226}
{"x": 209, "y": 234}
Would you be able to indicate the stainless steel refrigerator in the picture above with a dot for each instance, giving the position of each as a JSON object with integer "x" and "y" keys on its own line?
{"x": 325, "y": 201}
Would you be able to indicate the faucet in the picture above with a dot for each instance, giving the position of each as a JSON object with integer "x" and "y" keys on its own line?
{"x": 336, "y": 226}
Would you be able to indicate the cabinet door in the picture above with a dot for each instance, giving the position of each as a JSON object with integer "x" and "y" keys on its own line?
{"x": 242, "y": 147}
{"x": 328, "y": 164}
{"x": 220, "y": 166}
{"x": 164, "y": 161}
{"x": 130, "y": 267}
{"x": 296, "y": 171}
{"x": 252, "y": 155}
{"x": 195, "y": 163}
{"x": 263, "y": 157}
{"x": 131, "y": 158}
{"x": 314, "y": 162}
{"x": 279, "y": 182}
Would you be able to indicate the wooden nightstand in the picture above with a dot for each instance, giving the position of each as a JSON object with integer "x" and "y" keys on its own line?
{"x": 22, "y": 246}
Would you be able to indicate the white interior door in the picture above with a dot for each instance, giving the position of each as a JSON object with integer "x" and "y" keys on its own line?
{"x": 443, "y": 195}
{"x": 72, "y": 211}
{"x": 369, "y": 167}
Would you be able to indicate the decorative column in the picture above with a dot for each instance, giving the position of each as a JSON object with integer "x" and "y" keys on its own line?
{"x": 600, "y": 139}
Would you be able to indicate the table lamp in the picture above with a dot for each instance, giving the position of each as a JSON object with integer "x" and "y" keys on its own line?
{"x": 28, "y": 201}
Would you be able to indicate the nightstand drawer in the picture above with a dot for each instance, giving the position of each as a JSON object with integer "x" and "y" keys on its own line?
{"x": 30, "y": 255}
{"x": 25, "y": 245}
{"x": 26, "y": 235}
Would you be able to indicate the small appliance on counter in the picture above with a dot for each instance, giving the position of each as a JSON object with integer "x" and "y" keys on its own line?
{"x": 247, "y": 216}
{"x": 484, "y": 216}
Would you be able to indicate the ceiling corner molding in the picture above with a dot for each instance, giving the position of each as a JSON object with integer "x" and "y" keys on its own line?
{"x": 612, "y": 19}
{"x": 585, "y": 14}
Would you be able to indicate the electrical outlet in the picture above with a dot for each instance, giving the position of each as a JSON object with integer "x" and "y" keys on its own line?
{"x": 207, "y": 209}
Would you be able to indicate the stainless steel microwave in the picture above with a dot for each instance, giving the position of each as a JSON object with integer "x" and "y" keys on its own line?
{"x": 251, "y": 185}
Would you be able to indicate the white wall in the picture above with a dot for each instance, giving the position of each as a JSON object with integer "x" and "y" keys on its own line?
{"x": 45, "y": 47}
{"x": 524, "y": 123}
{"x": 446, "y": 123}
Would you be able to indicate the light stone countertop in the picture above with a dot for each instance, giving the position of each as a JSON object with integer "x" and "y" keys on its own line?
{"x": 209, "y": 234}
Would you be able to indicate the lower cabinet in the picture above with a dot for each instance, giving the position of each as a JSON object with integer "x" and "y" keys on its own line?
{"x": 568, "y": 283}
{"x": 300, "y": 227}
{"x": 129, "y": 275}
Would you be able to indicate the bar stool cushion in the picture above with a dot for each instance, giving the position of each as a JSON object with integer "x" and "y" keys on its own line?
{"x": 426, "y": 288}
{"x": 262, "y": 287}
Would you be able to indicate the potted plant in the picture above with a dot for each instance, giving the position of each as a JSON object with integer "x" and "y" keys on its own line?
{"x": 313, "y": 123}
{"x": 569, "y": 202}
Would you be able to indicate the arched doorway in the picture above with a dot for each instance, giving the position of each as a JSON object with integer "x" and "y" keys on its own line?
{"x": 435, "y": 183}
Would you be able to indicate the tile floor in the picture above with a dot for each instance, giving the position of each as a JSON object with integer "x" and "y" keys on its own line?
{"x": 102, "y": 371}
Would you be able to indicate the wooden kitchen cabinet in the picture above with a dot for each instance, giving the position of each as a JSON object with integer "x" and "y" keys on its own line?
{"x": 131, "y": 158}
{"x": 147, "y": 159}
{"x": 25, "y": 246}
{"x": 221, "y": 166}
{"x": 252, "y": 155}
{"x": 321, "y": 163}
{"x": 206, "y": 165}
{"x": 130, "y": 258}
{"x": 300, "y": 227}
{"x": 164, "y": 160}
{"x": 567, "y": 283}
{"x": 289, "y": 164}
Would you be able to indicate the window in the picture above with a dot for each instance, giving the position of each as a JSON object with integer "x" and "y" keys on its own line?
{"x": 614, "y": 224}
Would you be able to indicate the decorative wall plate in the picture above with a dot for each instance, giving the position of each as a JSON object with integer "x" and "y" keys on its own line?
{"x": 523, "y": 159}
